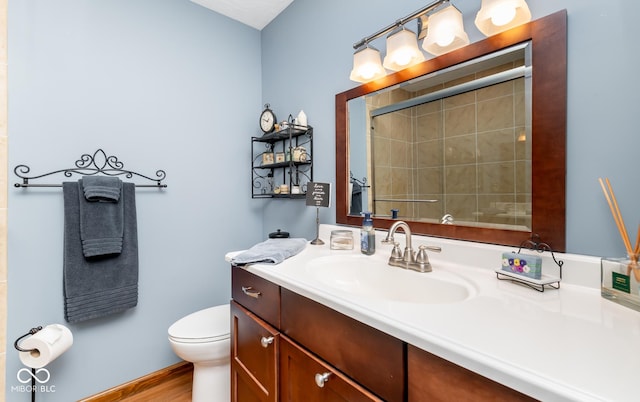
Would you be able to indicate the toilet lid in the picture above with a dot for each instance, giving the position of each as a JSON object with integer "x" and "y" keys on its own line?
{"x": 209, "y": 324}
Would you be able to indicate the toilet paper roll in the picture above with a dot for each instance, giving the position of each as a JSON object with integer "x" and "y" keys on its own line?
{"x": 50, "y": 342}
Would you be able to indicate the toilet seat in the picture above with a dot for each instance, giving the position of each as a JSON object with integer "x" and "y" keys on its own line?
{"x": 208, "y": 325}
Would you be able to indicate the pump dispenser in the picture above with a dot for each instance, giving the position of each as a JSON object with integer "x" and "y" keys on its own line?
{"x": 367, "y": 235}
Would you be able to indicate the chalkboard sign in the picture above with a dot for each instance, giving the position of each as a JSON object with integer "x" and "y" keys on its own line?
{"x": 318, "y": 194}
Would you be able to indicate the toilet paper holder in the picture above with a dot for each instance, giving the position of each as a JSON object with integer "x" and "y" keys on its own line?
{"x": 32, "y": 331}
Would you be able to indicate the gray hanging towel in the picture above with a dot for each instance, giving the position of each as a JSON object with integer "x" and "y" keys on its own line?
{"x": 101, "y": 188}
{"x": 101, "y": 285}
{"x": 356, "y": 199}
{"x": 101, "y": 215}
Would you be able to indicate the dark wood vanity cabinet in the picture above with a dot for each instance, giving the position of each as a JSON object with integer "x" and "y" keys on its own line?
{"x": 286, "y": 347}
{"x": 267, "y": 365}
{"x": 372, "y": 358}
{"x": 254, "y": 357}
{"x": 304, "y": 377}
{"x": 433, "y": 379}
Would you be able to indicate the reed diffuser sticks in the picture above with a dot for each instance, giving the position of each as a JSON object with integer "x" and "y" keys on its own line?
{"x": 617, "y": 217}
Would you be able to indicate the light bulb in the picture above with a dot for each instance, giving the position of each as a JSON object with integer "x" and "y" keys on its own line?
{"x": 367, "y": 71}
{"x": 445, "y": 38}
{"x": 402, "y": 57}
{"x": 503, "y": 14}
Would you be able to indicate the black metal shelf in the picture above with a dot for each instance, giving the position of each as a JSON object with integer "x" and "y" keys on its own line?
{"x": 267, "y": 177}
{"x": 292, "y": 131}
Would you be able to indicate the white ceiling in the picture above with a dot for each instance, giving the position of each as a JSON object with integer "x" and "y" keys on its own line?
{"x": 255, "y": 13}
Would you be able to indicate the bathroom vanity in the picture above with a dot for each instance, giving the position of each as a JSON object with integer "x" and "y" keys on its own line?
{"x": 287, "y": 347}
{"x": 338, "y": 325}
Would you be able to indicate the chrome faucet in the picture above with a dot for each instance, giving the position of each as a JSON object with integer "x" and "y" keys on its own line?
{"x": 408, "y": 259}
{"x": 447, "y": 219}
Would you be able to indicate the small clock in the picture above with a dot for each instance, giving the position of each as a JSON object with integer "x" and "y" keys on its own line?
{"x": 267, "y": 120}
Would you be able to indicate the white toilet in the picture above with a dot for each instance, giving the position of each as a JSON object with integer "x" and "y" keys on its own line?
{"x": 203, "y": 338}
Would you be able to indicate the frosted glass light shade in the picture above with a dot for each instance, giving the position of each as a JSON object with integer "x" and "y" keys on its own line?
{"x": 496, "y": 16}
{"x": 445, "y": 32}
{"x": 366, "y": 65}
{"x": 402, "y": 50}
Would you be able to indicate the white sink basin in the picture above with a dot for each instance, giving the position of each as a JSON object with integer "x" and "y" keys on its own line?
{"x": 371, "y": 277}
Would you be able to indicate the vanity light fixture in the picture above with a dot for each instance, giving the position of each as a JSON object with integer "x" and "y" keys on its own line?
{"x": 496, "y": 16}
{"x": 444, "y": 33}
{"x": 366, "y": 64}
{"x": 402, "y": 50}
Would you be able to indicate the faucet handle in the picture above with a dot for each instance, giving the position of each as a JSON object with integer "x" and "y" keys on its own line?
{"x": 422, "y": 259}
{"x": 422, "y": 252}
{"x": 422, "y": 256}
{"x": 389, "y": 239}
{"x": 431, "y": 248}
{"x": 396, "y": 253}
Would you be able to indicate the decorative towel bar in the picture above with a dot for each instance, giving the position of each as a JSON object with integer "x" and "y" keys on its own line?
{"x": 89, "y": 165}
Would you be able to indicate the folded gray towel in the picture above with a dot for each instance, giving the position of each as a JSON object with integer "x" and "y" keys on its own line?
{"x": 271, "y": 251}
{"x": 101, "y": 188}
{"x": 98, "y": 286}
{"x": 101, "y": 222}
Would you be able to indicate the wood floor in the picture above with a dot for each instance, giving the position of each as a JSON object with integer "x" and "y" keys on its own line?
{"x": 172, "y": 384}
{"x": 175, "y": 390}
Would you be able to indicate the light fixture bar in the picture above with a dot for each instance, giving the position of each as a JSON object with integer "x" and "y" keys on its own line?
{"x": 400, "y": 22}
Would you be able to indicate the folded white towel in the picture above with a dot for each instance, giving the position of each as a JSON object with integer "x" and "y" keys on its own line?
{"x": 271, "y": 251}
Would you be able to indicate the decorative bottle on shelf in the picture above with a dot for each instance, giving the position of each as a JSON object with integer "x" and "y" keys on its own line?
{"x": 367, "y": 235}
{"x": 301, "y": 120}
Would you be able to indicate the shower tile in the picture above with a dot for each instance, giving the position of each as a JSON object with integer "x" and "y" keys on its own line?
{"x": 400, "y": 127}
{"x": 429, "y": 127}
{"x": 428, "y": 154}
{"x": 400, "y": 154}
{"x": 496, "y": 146}
{"x": 460, "y": 150}
{"x": 382, "y": 151}
{"x": 495, "y": 114}
{"x": 382, "y": 181}
{"x": 400, "y": 181}
{"x": 462, "y": 207}
{"x": 523, "y": 177}
{"x": 429, "y": 181}
{"x": 461, "y": 120}
{"x": 460, "y": 179}
{"x": 495, "y": 178}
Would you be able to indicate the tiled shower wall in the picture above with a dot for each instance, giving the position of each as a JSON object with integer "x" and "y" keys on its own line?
{"x": 470, "y": 152}
{"x": 3, "y": 195}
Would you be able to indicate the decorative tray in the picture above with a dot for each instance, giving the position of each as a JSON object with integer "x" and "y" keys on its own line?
{"x": 537, "y": 284}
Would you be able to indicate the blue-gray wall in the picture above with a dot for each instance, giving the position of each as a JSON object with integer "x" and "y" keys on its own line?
{"x": 161, "y": 84}
{"x": 149, "y": 81}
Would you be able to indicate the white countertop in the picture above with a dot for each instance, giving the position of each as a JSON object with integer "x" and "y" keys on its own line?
{"x": 565, "y": 344}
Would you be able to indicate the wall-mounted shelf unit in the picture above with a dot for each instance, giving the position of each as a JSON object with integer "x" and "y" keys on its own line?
{"x": 283, "y": 157}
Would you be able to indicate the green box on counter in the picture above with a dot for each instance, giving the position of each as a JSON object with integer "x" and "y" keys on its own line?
{"x": 526, "y": 265}
{"x": 621, "y": 282}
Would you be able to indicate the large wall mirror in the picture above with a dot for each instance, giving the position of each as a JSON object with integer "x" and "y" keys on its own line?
{"x": 470, "y": 145}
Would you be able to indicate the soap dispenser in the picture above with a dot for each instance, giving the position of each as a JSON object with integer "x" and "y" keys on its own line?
{"x": 367, "y": 235}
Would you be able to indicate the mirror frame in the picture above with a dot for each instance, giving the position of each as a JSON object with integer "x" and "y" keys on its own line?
{"x": 548, "y": 36}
